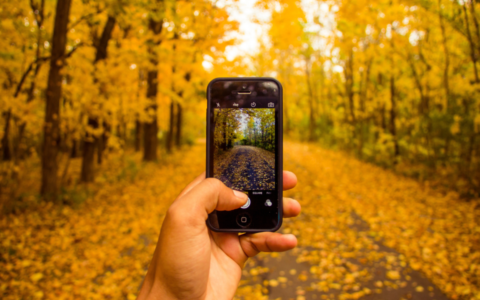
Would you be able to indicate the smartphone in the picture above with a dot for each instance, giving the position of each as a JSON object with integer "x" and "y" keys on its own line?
{"x": 245, "y": 150}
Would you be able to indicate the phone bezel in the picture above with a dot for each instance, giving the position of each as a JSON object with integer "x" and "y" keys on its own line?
{"x": 279, "y": 146}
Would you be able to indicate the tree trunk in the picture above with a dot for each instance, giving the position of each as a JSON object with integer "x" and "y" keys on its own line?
{"x": 393, "y": 128}
{"x": 101, "y": 55}
{"x": 150, "y": 140}
{"x": 178, "y": 132}
{"x": 7, "y": 154}
{"x": 349, "y": 83}
{"x": 393, "y": 109}
{"x": 225, "y": 133}
{"x": 393, "y": 116}
{"x": 19, "y": 153}
{"x": 49, "y": 187}
{"x": 171, "y": 128}
{"x": 311, "y": 122}
{"x": 364, "y": 89}
{"x": 446, "y": 83}
{"x": 102, "y": 142}
{"x": 101, "y": 48}
{"x": 286, "y": 117}
{"x": 263, "y": 136}
{"x": 138, "y": 135}
{"x": 75, "y": 151}
{"x": 471, "y": 43}
{"x": 100, "y": 145}
{"x": 88, "y": 157}
{"x": 88, "y": 161}
{"x": 91, "y": 141}
{"x": 474, "y": 17}
{"x": 383, "y": 120}
{"x": 151, "y": 128}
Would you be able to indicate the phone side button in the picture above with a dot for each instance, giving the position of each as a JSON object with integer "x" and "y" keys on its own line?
{"x": 244, "y": 219}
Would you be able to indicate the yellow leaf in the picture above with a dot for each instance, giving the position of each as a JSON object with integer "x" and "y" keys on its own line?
{"x": 393, "y": 275}
{"x": 36, "y": 277}
{"x": 131, "y": 296}
{"x": 282, "y": 279}
{"x": 38, "y": 294}
{"x": 273, "y": 282}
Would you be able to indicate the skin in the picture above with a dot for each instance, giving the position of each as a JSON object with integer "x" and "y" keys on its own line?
{"x": 192, "y": 262}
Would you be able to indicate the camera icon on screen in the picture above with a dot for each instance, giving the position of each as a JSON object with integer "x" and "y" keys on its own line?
{"x": 271, "y": 104}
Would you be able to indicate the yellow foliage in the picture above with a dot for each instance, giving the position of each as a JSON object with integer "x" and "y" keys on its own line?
{"x": 395, "y": 82}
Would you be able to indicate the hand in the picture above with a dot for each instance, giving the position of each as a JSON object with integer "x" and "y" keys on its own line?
{"x": 192, "y": 262}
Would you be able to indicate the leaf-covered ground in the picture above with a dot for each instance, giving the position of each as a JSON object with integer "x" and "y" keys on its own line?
{"x": 246, "y": 168}
{"x": 364, "y": 233}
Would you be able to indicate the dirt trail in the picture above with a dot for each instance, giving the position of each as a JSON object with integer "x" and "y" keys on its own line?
{"x": 247, "y": 168}
{"x": 366, "y": 233}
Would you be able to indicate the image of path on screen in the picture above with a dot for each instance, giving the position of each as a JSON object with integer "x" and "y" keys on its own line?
{"x": 244, "y": 148}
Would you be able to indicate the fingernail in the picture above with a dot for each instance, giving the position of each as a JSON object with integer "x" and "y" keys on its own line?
{"x": 240, "y": 194}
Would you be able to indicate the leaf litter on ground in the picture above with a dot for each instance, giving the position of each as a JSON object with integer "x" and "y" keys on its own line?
{"x": 101, "y": 249}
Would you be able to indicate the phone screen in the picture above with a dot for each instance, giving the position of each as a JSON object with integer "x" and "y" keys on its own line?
{"x": 243, "y": 150}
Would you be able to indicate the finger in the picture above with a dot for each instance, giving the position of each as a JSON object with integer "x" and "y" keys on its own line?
{"x": 252, "y": 244}
{"x": 192, "y": 184}
{"x": 291, "y": 208}
{"x": 289, "y": 180}
{"x": 208, "y": 195}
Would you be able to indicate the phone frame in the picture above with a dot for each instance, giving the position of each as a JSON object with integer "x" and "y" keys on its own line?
{"x": 278, "y": 146}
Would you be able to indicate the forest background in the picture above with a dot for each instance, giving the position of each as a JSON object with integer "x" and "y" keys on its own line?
{"x": 392, "y": 82}
{"x": 245, "y": 126}
{"x": 87, "y": 83}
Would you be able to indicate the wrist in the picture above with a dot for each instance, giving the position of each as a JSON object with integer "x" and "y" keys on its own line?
{"x": 154, "y": 289}
{"x": 160, "y": 294}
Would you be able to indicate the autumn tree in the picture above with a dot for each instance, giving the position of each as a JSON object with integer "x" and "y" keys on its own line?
{"x": 375, "y": 78}
{"x": 155, "y": 25}
{"x": 53, "y": 94}
{"x": 92, "y": 141}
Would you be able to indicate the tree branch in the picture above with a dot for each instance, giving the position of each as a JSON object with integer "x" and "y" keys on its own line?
{"x": 24, "y": 76}
{"x": 38, "y": 61}
{"x": 83, "y": 18}
{"x": 67, "y": 55}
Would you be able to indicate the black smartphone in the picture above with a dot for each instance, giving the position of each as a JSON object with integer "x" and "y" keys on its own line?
{"x": 245, "y": 150}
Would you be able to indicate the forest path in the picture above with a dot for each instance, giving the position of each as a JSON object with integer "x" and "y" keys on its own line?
{"x": 364, "y": 232}
{"x": 367, "y": 233}
{"x": 247, "y": 168}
